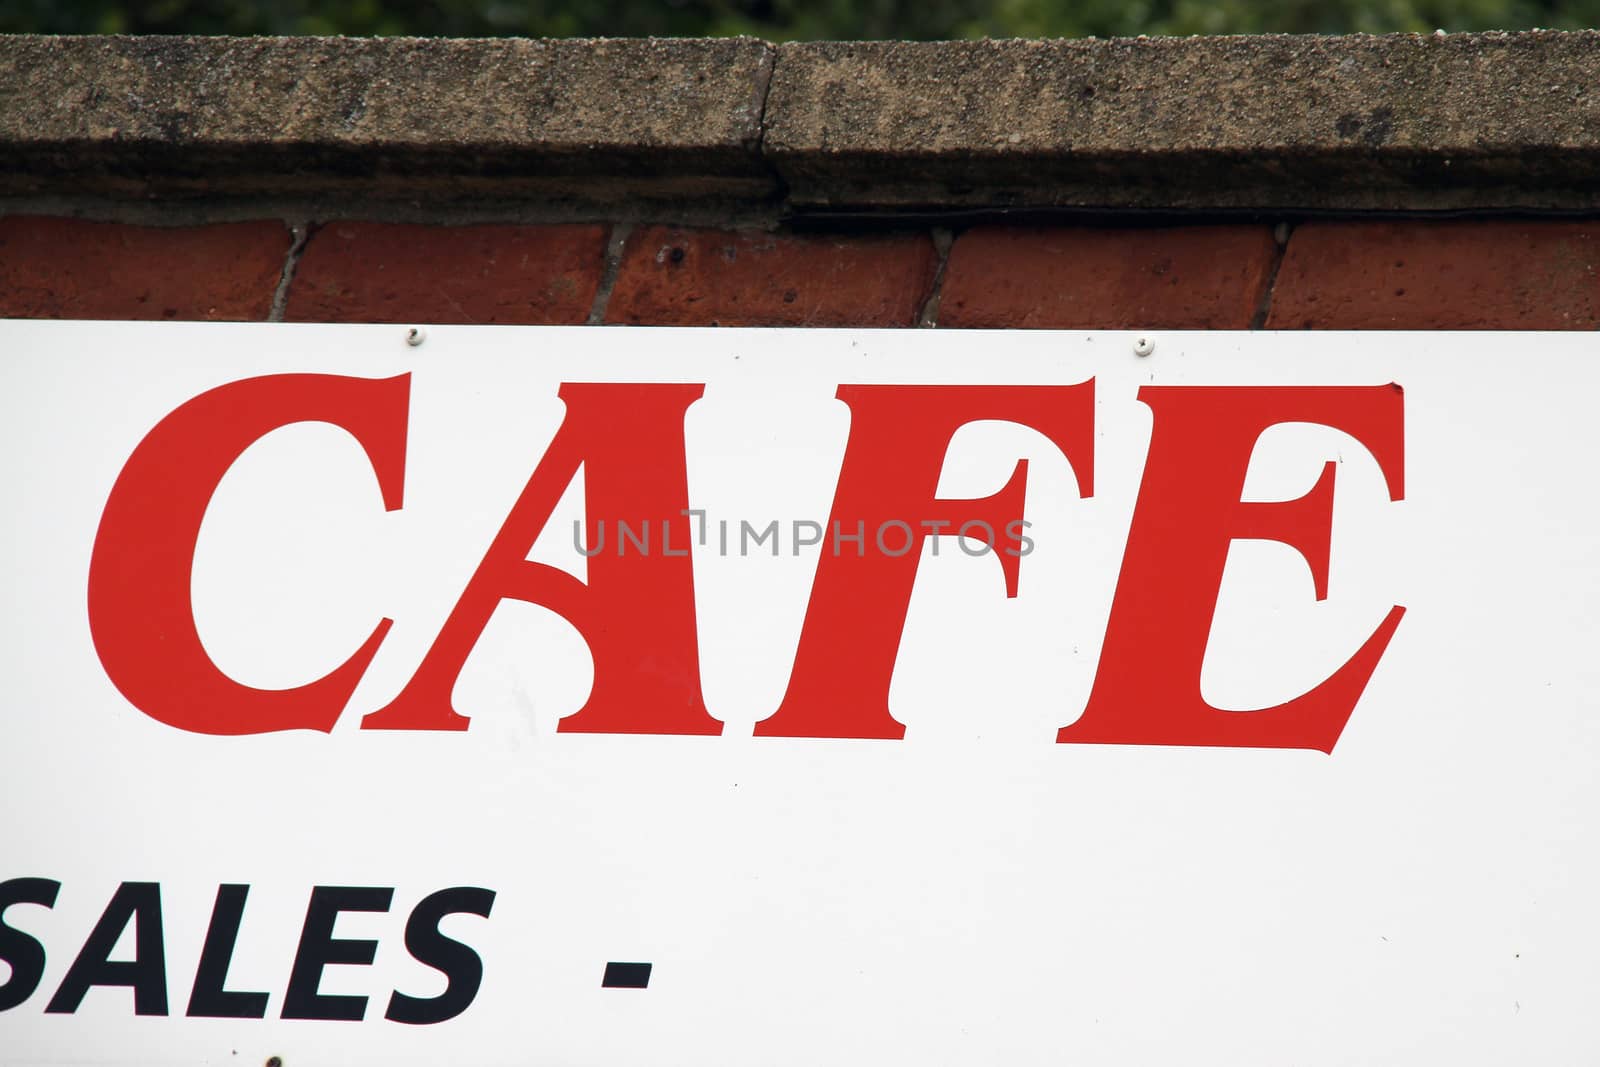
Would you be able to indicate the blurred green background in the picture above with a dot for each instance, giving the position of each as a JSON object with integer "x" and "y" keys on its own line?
{"x": 788, "y": 19}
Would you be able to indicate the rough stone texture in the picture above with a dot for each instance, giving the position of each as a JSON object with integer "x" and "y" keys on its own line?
{"x": 1395, "y": 122}
{"x": 1463, "y": 275}
{"x": 381, "y": 272}
{"x": 1404, "y": 122}
{"x": 57, "y": 268}
{"x": 444, "y": 118}
{"x": 1178, "y": 278}
{"x": 676, "y": 277}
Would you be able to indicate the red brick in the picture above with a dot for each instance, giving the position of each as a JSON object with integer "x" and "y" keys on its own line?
{"x": 1175, "y": 278}
{"x": 1419, "y": 275}
{"x": 677, "y": 277}
{"x": 386, "y": 272}
{"x": 58, "y": 268}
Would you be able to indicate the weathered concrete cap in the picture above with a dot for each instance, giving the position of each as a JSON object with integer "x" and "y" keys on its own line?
{"x": 1399, "y": 123}
{"x": 1496, "y": 120}
{"x": 166, "y": 115}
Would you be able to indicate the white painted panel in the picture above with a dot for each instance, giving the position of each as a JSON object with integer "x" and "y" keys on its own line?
{"x": 973, "y": 893}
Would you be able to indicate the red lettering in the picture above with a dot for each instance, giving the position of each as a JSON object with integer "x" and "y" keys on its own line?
{"x": 140, "y": 613}
{"x": 1147, "y": 689}
{"x": 899, "y": 435}
{"x": 636, "y": 612}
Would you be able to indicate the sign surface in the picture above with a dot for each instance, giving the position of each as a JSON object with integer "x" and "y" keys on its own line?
{"x": 737, "y": 696}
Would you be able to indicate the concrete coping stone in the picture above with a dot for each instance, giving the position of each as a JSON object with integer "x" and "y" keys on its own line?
{"x": 1425, "y": 123}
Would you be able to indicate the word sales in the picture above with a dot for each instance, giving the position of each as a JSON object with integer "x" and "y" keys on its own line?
{"x": 138, "y": 905}
{"x": 636, "y": 609}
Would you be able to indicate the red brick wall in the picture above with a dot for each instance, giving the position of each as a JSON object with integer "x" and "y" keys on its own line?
{"x": 1351, "y": 274}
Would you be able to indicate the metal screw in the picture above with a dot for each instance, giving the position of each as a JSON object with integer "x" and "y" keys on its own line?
{"x": 415, "y": 336}
{"x": 1143, "y": 346}
{"x": 275, "y": 1061}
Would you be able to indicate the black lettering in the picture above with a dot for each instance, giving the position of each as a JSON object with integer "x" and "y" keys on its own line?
{"x": 462, "y": 967}
{"x": 209, "y": 999}
{"x": 138, "y": 902}
{"x": 22, "y": 953}
{"x": 319, "y": 949}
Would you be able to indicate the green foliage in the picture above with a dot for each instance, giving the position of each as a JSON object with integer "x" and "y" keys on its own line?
{"x": 787, "y": 19}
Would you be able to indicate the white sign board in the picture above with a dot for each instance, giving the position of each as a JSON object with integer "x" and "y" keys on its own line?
{"x": 609, "y": 696}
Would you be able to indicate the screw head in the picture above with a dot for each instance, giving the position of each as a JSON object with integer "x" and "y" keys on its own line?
{"x": 1143, "y": 346}
{"x": 415, "y": 336}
